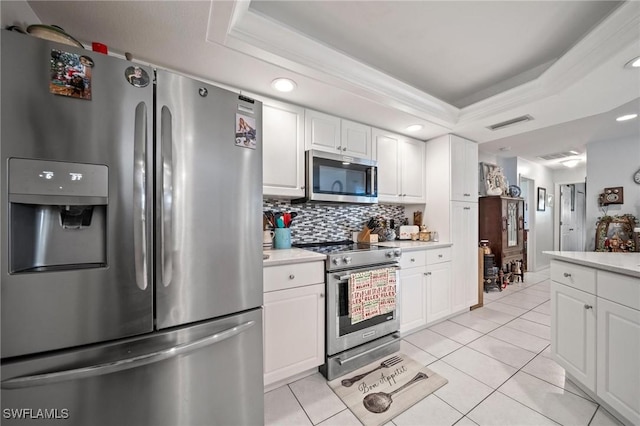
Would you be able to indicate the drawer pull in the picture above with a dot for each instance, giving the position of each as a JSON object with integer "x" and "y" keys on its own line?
{"x": 440, "y": 256}
{"x": 588, "y": 306}
{"x": 427, "y": 273}
{"x": 566, "y": 275}
{"x": 291, "y": 276}
{"x": 412, "y": 259}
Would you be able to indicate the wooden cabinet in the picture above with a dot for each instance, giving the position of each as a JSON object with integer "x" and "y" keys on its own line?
{"x": 294, "y": 321}
{"x": 283, "y": 150}
{"x": 595, "y": 333}
{"x": 502, "y": 223}
{"x": 425, "y": 287}
{"x": 401, "y": 168}
{"x": 328, "y": 133}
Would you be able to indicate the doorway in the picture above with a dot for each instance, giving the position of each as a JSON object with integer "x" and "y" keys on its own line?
{"x": 572, "y": 216}
{"x": 527, "y": 188}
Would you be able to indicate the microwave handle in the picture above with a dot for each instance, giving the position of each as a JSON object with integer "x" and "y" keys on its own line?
{"x": 372, "y": 182}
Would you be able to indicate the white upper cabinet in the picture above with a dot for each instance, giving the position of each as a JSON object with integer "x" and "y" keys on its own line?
{"x": 328, "y": 133}
{"x": 356, "y": 139}
{"x": 412, "y": 171}
{"x": 464, "y": 169}
{"x": 401, "y": 168}
{"x": 322, "y": 131}
{"x": 283, "y": 150}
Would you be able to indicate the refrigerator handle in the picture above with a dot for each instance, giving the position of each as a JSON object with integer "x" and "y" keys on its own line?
{"x": 140, "y": 196}
{"x": 124, "y": 364}
{"x": 166, "y": 209}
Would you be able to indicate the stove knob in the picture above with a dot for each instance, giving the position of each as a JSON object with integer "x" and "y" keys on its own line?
{"x": 347, "y": 260}
{"x": 336, "y": 260}
{"x": 397, "y": 252}
{"x": 389, "y": 254}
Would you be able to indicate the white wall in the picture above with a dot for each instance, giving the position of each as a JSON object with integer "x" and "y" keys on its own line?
{"x": 611, "y": 163}
{"x": 541, "y": 222}
{"x": 17, "y": 13}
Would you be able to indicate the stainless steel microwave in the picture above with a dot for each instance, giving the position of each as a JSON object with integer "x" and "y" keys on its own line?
{"x": 340, "y": 178}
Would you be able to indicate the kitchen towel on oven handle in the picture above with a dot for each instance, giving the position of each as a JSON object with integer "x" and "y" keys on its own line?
{"x": 372, "y": 293}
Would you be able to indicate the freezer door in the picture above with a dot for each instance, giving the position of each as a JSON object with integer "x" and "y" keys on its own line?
{"x": 208, "y": 374}
{"x": 209, "y": 201}
{"x": 76, "y": 220}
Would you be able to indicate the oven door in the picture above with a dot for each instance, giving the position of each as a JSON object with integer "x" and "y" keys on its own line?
{"x": 341, "y": 333}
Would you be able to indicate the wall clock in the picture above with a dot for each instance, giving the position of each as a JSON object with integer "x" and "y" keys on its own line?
{"x": 636, "y": 177}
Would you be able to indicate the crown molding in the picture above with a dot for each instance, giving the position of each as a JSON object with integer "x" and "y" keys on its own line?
{"x": 236, "y": 26}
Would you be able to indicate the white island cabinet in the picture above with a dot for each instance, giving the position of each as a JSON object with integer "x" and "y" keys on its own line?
{"x": 595, "y": 326}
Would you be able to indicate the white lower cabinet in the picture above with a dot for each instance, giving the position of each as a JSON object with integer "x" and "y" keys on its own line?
{"x": 618, "y": 358}
{"x": 573, "y": 335}
{"x": 438, "y": 291}
{"x": 413, "y": 312}
{"x": 293, "y": 329}
{"x": 595, "y": 333}
{"x": 425, "y": 287}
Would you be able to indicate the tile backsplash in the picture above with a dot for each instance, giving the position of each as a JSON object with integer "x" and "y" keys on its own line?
{"x": 331, "y": 222}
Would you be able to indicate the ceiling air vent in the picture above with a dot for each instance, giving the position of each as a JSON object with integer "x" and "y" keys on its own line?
{"x": 512, "y": 122}
{"x": 558, "y": 155}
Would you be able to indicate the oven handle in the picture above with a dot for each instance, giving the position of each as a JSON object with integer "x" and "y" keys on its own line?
{"x": 368, "y": 351}
{"x": 355, "y": 271}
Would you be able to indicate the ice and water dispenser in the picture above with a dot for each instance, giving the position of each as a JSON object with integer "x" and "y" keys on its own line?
{"x": 57, "y": 215}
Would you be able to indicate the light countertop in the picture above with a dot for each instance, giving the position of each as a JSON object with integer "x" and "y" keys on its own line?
{"x": 623, "y": 263}
{"x": 409, "y": 245}
{"x": 292, "y": 255}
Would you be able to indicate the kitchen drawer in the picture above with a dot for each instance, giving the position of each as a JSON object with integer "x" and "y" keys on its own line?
{"x": 619, "y": 288}
{"x": 576, "y": 276}
{"x": 438, "y": 255}
{"x": 281, "y": 277}
{"x": 412, "y": 259}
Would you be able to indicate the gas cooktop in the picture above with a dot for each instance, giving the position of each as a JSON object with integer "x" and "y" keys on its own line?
{"x": 331, "y": 247}
{"x": 349, "y": 254}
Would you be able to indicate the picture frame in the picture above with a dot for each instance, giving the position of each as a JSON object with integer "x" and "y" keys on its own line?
{"x": 542, "y": 199}
{"x": 615, "y": 233}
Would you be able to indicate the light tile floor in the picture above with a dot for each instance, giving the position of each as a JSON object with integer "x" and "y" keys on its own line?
{"x": 498, "y": 364}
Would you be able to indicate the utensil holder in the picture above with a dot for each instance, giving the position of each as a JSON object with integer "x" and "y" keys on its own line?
{"x": 282, "y": 238}
{"x": 365, "y": 236}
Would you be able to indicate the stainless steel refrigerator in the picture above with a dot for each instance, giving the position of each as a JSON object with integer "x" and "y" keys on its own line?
{"x": 131, "y": 257}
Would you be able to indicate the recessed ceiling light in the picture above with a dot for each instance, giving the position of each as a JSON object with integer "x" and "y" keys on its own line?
{"x": 627, "y": 117}
{"x": 283, "y": 84}
{"x": 570, "y": 163}
{"x": 634, "y": 63}
{"x": 414, "y": 128}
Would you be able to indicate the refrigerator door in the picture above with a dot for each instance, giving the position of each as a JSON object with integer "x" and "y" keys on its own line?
{"x": 207, "y": 374}
{"x": 209, "y": 201}
{"x": 75, "y": 216}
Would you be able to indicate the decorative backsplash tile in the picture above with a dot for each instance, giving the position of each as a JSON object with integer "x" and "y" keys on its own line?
{"x": 331, "y": 222}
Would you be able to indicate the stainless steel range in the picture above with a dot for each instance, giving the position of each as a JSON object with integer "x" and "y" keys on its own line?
{"x": 354, "y": 339}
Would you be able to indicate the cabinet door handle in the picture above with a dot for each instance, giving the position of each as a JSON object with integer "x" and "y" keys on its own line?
{"x": 567, "y": 275}
{"x": 467, "y": 195}
{"x": 588, "y": 306}
{"x": 466, "y": 208}
{"x": 427, "y": 273}
{"x": 291, "y": 276}
{"x": 339, "y": 148}
{"x": 321, "y": 295}
{"x": 344, "y": 149}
